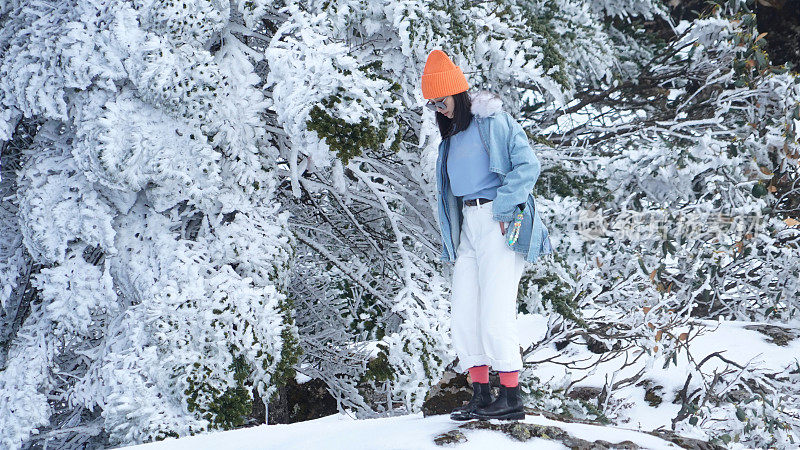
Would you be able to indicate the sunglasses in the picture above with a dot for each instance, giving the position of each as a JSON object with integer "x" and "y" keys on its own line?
{"x": 434, "y": 105}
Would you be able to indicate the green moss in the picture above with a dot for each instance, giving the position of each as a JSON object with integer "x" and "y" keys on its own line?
{"x": 378, "y": 368}
{"x": 291, "y": 350}
{"x": 223, "y": 409}
{"x": 368, "y": 314}
{"x": 166, "y": 434}
{"x": 555, "y": 401}
{"x": 558, "y": 180}
{"x": 424, "y": 356}
{"x": 759, "y": 190}
{"x": 231, "y": 408}
{"x": 545, "y": 37}
{"x": 463, "y": 32}
{"x": 652, "y": 398}
{"x": 594, "y": 411}
{"x": 559, "y": 295}
{"x": 345, "y": 139}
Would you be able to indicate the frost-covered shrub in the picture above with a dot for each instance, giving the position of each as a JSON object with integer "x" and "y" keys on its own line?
{"x": 170, "y": 129}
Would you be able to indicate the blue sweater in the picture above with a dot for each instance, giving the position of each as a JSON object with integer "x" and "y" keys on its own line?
{"x": 468, "y": 166}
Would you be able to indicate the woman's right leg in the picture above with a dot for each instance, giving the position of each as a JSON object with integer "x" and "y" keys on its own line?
{"x": 479, "y": 374}
{"x": 499, "y": 273}
{"x": 464, "y": 312}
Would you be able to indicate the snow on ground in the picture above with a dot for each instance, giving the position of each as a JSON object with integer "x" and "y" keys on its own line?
{"x": 737, "y": 343}
{"x": 339, "y": 431}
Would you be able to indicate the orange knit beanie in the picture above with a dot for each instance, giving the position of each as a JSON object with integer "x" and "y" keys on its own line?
{"x": 441, "y": 77}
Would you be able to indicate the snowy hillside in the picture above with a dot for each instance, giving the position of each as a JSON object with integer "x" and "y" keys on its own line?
{"x": 643, "y": 408}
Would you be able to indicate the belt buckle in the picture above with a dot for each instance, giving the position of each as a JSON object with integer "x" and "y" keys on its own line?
{"x": 477, "y": 202}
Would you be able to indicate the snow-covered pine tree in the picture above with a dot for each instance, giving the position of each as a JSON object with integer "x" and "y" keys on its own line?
{"x": 144, "y": 259}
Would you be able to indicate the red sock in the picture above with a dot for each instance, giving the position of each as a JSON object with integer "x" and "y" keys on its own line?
{"x": 509, "y": 379}
{"x": 479, "y": 374}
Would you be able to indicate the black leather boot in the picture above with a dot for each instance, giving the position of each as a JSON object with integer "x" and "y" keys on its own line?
{"x": 507, "y": 405}
{"x": 481, "y": 396}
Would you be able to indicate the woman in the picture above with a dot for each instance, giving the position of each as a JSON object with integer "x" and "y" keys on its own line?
{"x": 485, "y": 173}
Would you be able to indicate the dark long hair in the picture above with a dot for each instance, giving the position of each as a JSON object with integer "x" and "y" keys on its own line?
{"x": 462, "y": 115}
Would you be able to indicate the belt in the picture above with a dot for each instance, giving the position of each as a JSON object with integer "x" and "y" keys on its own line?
{"x": 476, "y": 201}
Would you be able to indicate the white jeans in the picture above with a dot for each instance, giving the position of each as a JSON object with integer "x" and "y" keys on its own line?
{"x": 483, "y": 316}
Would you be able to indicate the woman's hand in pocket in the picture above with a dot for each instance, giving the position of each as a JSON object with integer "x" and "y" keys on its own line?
{"x": 503, "y": 228}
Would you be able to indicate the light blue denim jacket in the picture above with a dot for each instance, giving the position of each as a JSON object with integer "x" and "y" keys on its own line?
{"x": 513, "y": 159}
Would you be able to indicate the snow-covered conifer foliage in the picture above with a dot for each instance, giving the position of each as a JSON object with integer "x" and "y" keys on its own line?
{"x": 201, "y": 196}
{"x": 686, "y": 168}
{"x": 144, "y": 261}
{"x": 344, "y": 80}
{"x": 649, "y": 128}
